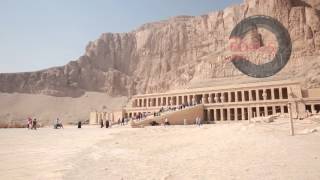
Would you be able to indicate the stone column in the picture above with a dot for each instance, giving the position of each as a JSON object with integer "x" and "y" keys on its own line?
{"x": 264, "y": 94}
{"x": 149, "y": 102}
{"x": 193, "y": 99}
{"x": 258, "y": 111}
{"x": 236, "y": 96}
{"x": 171, "y": 101}
{"x": 313, "y": 109}
{"x": 221, "y": 115}
{"x": 216, "y": 98}
{"x": 243, "y": 98}
{"x": 209, "y": 99}
{"x": 228, "y": 114}
{"x": 250, "y": 95}
{"x": 280, "y": 93}
{"x": 282, "y": 109}
{"x": 203, "y": 99}
{"x": 215, "y": 114}
{"x": 249, "y": 113}
{"x": 272, "y": 94}
{"x": 222, "y": 98}
{"x": 236, "y": 114}
{"x": 257, "y": 95}
{"x": 229, "y": 97}
{"x": 273, "y": 110}
{"x": 265, "y": 111}
{"x": 243, "y": 117}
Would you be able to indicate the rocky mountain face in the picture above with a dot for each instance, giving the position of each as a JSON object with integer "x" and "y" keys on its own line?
{"x": 170, "y": 54}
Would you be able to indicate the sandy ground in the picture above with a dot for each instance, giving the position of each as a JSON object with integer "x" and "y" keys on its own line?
{"x": 220, "y": 151}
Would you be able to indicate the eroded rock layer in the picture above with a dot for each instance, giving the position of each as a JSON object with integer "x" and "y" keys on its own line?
{"x": 173, "y": 53}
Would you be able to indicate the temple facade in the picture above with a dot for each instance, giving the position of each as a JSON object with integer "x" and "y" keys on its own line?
{"x": 237, "y": 102}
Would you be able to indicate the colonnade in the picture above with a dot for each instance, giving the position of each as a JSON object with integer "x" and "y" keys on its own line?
{"x": 213, "y": 97}
{"x": 243, "y": 113}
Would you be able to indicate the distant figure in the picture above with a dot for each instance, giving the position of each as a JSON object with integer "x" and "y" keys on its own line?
{"x": 166, "y": 122}
{"x": 79, "y": 124}
{"x": 101, "y": 124}
{"x": 107, "y": 124}
{"x": 57, "y": 124}
{"x": 122, "y": 121}
{"x": 198, "y": 121}
{"x": 34, "y": 124}
{"x": 29, "y": 123}
{"x": 119, "y": 121}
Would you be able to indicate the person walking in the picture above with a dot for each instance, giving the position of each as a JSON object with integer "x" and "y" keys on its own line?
{"x": 199, "y": 121}
{"x": 107, "y": 124}
{"x": 79, "y": 125}
{"x": 166, "y": 122}
{"x": 122, "y": 121}
{"x": 110, "y": 124}
{"x": 101, "y": 124}
{"x": 29, "y": 123}
{"x": 34, "y": 124}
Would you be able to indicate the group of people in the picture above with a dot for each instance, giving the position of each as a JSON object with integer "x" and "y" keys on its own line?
{"x": 142, "y": 116}
{"x": 123, "y": 121}
{"x": 32, "y": 123}
{"x": 108, "y": 124}
{"x": 57, "y": 124}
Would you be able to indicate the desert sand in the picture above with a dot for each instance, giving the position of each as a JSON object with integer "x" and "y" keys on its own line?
{"x": 219, "y": 151}
{"x": 17, "y": 107}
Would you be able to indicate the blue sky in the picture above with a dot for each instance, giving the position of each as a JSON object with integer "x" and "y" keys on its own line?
{"x": 38, "y": 34}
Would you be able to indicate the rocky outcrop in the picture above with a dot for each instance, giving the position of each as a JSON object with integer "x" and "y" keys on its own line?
{"x": 170, "y": 54}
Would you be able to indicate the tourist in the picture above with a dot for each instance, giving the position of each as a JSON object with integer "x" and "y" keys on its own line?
{"x": 57, "y": 124}
{"x": 110, "y": 123}
{"x": 34, "y": 124}
{"x": 107, "y": 124}
{"x": 166, "y": 122}
{"x": 29, "y": 123}
{"x": 199, "y": 121}
{"x": 79, "y": 124}
{"x": 122, "y": 121}
{"x": 101, "y": 124}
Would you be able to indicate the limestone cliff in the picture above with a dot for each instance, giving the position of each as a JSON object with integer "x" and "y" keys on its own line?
{"x": 170, "y": 54}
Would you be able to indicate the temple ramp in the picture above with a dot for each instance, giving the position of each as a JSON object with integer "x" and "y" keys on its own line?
{"x": 174, "y": 117}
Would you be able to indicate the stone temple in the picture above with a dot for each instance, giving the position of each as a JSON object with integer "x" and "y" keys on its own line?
{"x": 218, "y": 104}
